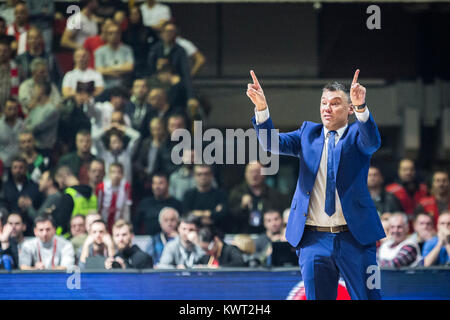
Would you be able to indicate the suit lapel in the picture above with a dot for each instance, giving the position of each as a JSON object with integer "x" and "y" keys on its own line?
{"x": 317, "y": 148}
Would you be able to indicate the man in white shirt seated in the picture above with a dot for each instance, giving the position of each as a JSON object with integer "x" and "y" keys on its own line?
{"x": 155, "y": 14}
{"x": 46, "y": 251}
{"x": 82, "y": 73}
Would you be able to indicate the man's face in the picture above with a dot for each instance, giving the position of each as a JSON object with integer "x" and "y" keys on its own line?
{"x": 117, "y": 118}
{"x": 398, "y": 230}
{"x": 156, "y": 128}
{"x": 26, "y": 143}
{"x": 374, "y": 178}
{"x": 160, "y": 187}
{"x": 18, "y": 170}
{"x": 253, "y": 175}
{"x": 90, "y": 218}
{"x": 34, "y": 39}
{"x": 444, "y": 222}
{"x": 77, "y": 226}
{"x": 423, "y": 225}
{"x": 140, "y": 89}
{"x": 203, "y": 176}
{"x": 115, "y": 175}
{"x": 184, "y": 229}
{"x": 273, "y": 222}
{"x": 156, "y": 98}
{"x": 105, "y": 27}
{"x": 96, "y": 172}
{"x": 44, "y": 231}
{"x": 98, "y": 230}
{"x": 334, "y": 109}
{"x": 21, "y": 14}
{"x": 44, "y": 182}
{"x": 169, "y": 33}
{"x": 406, "y": 171}
{"x": 117, "y": 102}
{"x": 122, "y": 237}
{"x": 17, "y": 225}
{"x": 81, "y": 59}
{"x": 169, "y": 221}
{"x": 113, "y": 35}
{"x": 83, "y": 143}
{"x": 4, "y": 53}
{"x": 40, "y": 74}
{"x": 440, "y": 183}
{"x": 11, "y": 110}
{"x": 175, "y": 123}
{"x": 115, "y": 143}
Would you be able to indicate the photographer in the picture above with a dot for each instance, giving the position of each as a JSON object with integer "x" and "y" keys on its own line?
{"x": 437, "y": 250}
{"x": 98, "y": 243}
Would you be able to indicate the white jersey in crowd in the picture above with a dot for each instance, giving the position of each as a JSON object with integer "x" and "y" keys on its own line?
{"x": 152, "y": 16}
{"x": 387, "y": 252}
{"x": 82, "y": 26}
{"x": 187, "y": 45}
{"x": 55, "y": 253}
{"x": 76, "y": 75}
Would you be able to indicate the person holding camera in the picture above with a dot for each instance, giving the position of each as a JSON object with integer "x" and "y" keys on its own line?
{"x": 437, "y": 250}
{"x": 128, "y": 255}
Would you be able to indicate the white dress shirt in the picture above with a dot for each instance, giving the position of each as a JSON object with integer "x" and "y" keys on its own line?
{"x": 316, "y": 208}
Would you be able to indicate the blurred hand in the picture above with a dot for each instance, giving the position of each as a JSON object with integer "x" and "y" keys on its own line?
{"x": 246, "y": 201}
{"x": 256, "y": 93}
{"x": 357, "y": 91}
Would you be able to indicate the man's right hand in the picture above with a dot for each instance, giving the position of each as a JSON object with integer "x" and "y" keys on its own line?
{"x": 256, "y": 93}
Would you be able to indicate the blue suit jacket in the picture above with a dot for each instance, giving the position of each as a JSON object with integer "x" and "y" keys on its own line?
{"x": 352, "y": 158}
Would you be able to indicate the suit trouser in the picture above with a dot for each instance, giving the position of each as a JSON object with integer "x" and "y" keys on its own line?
{"x": 324, "y": 256}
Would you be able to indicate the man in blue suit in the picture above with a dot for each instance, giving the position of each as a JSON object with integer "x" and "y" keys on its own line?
{"x": 333, "y": 221}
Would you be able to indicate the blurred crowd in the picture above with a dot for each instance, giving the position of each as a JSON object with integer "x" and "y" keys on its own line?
{"x": 85, "y": 156}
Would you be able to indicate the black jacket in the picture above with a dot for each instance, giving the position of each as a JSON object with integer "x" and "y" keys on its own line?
{"x": 231, "y": 256}
{"x": 135, "y": 258}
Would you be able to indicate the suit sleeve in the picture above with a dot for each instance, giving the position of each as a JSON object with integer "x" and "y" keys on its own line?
{"x": 368, "y": 140}
{"x": 289, "y": 143}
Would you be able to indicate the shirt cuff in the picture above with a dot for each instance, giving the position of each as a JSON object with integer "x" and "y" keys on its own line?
{"x": 262, "y": 116}
{"x": 363, "y": 116}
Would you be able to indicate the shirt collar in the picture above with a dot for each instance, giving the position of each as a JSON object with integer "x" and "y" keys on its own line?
{"x": 339, "y": 131}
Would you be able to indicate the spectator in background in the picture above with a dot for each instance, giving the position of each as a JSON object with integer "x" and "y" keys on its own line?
{"x": 147, "y": 213}
{"x": 9, "y": 252}
{"x": 78, "y": 240}
{"x": 79, "y": 160}
{"x": 245, "y": 243}
{"x": 194, "y": 54}
{"x": 205, "y": 201}
{"x": 384, "y": 201}
{"x": 77, "y": 198}
{"x": 423, "y": 229}
{"x": 114, "y": 196}
{"x": 106, "y": 9}
{"x": 439, "y": 199}
{"x": 183, "y": 252}
{"x": 407, "y": 189}
{"x": 183, "y": 178}
{"x": 119, "y": 146}
{"x": 139, "y": 106}
{"x": 98, "y": 243}
{"x": 46, "y": 250}
{"x": 140, "y": 38}
{"x": 37, "y": 162}
{"x": 75, "y": 116}
{"x": 36, "y": 49}
{"x": 273, "y": 223}
{"x": 10, "y": 126}
{"x": 28, "y": 91}
{"x": 399, "y": 250}
{"x": 52, "y": 197}
{"x": 10, "y": 39}
{"x": 437, "y": 250}
{"x": 385, "y": 222}
{"x": 80, "y": 26}
{"x": 19, "y": 27}
{"x": 168, "y": 51}
{"x": 18, "y": 229}
{"x": 250, "y": 199}
{"x": 77, "y": 225}
{"x": 114, "y": 60}
{"x": 218, "y": 253}
{"x": 128, "y": 255}
{"x": 7, "y": 10}
{"x": 96, "y": 172}
{"x": 41, "y": 15}
{"x": 92, "y": 43}
{"x": 146, "y": 162}
{"x": 19, "y": 192}
{"x": 9, "y": 74}
{"x": 155, "y": 14}
{"x": 168, "y": 221}
{"x": 82, "y": 73}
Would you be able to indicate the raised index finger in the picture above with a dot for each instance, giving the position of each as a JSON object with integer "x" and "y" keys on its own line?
{"x": 355, "y": 77}
{"x": 255, "y": 80}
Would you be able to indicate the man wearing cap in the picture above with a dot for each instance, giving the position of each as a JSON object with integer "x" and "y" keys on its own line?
{"x": 333, "y": 223}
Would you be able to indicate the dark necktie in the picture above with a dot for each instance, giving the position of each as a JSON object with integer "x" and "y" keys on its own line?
{"x": 330, "y": 194}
